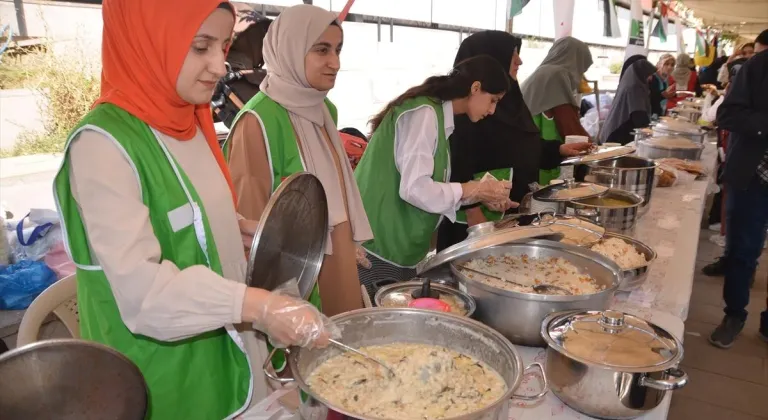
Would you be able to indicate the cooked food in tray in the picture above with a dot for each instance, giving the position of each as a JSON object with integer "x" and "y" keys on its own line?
{"x": 528, "y": 272}
{"x": 672, "y": 142}
{"x": 620, "y": 252}
{"x": 431, "y": 382}
{"x": 695, "y": 168}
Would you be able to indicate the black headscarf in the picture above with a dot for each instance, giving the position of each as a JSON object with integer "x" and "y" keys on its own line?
{"x": 631, "y": 60}
{"x": 708, "y": 75}
{"x": 508, "y": 138}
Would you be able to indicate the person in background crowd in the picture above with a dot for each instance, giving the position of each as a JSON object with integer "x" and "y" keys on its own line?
{"x": 551, "y": 94}
{"x": 708, "y": 75}
{"x": 743, "y": 113}
{"x": 504, "y": 144}
{"x": 685, "y": 79}
{"x": 662, "y": 85}
{"x": 631, "y": 107}
{"x": 355, "y": 143}
{"x": 629, "y": 61}
{"x": 290, "y": 127}
{"x": 147, "y": 207}
{"x": 735, "y": 61}
{"x": 717, "y": 268}
{"x": 405, "y": 171}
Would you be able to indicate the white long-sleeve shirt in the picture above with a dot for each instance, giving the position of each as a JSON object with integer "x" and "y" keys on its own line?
{"x": 154, "y": 296}
{"x": 415, "y": 148}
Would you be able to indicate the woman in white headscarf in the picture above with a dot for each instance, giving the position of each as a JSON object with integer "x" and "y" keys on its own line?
{"x": 289, "y": 127}
{"x": 552, "y": 94}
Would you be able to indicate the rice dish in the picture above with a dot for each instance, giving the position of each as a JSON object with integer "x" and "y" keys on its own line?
{"x": 528, "y": 272}
{"x": 431, "y": 382}
{"x": 620, "y": 252}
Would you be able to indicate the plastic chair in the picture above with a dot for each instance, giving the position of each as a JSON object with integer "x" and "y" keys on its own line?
{"x": 60, "y": 299}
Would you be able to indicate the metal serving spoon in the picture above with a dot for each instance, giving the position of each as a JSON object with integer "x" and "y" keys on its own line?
{"x": 366, "y": 356}
{"x": 539, "y": 288}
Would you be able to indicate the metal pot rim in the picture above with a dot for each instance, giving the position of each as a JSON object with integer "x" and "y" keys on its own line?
{"x": 637, "y": 201}
{"x": 580, "y": 251}
{"x": 653, "y": 164}
{"x": 551, "y": 345}
{"x": 468, "y": 300}
{"x": 293, "y": 353}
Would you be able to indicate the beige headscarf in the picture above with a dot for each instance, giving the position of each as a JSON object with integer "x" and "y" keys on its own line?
{"x": 287, "y": 43}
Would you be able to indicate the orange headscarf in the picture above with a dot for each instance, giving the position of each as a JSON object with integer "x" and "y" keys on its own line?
{"x": 144, "y": 46}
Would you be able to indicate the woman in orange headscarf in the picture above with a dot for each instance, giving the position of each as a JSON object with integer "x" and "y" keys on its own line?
{"x": 145, "y": 201}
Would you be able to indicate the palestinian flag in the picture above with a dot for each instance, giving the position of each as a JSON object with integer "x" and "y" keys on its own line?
{"x": 661, "y": 31}
{"x": 516, "y": 7}
{"x": 610, "y": 20}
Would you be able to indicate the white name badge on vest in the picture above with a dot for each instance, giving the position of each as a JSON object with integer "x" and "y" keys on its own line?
{"x": 181, "y": 217}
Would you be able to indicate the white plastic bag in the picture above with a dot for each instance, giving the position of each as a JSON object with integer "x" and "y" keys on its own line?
{"x": 591, "y": 122}
{"x": 35, "y": 234}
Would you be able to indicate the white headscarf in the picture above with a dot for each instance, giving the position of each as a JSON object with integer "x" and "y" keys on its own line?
{"x": 286, "y": 44}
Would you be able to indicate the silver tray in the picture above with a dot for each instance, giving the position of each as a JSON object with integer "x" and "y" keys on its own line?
{"x": 291, "y": 238}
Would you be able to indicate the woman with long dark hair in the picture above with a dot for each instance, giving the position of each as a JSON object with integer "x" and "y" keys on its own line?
{"x": 404, "y": 174}
{"x": 506, "y": 144}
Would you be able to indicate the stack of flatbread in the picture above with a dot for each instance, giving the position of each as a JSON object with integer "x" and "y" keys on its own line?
{"x": 691, "y": 167}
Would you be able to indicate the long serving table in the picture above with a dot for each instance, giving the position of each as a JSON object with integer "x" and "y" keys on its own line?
{"x": 671, "y": 227}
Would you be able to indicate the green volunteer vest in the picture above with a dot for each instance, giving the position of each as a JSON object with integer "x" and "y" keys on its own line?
{"x": 490, "y": 215}
{"x": 401, "y": 231}
{"x": 204, "y": 377}
{"x": 548, "y": 132}
{"x": 284, "y": 158}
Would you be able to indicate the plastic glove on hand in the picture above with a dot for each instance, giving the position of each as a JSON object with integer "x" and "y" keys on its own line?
{"x": 291, "y": 321}
{"x": 502, "y": 206}
{"x": 362, "y": 257}
{"x": 485, "y": 191}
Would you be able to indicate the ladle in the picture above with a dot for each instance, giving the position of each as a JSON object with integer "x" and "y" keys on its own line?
{"x": 366, "y": 356}
{"x": 539, "y": 288}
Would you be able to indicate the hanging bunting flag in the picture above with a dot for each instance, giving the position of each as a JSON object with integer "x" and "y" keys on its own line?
{"x": 610, "y": 20}
{"x": 661, "y": 31}
{"x": 516, "y": 7}
{"x": 704, "y": 54}
{"x": 563, "y": 17}
{"x": 636, "y": 40}
{"x": 679, "y": 34}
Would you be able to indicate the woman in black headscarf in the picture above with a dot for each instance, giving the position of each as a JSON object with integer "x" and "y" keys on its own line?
{"x": 505, "y": 144}
{"x": 631, "y": 107}
{"x": 631, "y": 60}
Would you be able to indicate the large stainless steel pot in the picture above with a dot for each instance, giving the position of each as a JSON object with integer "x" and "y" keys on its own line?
{"x": 518, "y": 315}
{"x": 399, "y": 295}
{"x": 628, "y": 173}
{"x": 613, "y": 219}
{"x": 610, "y": 365}
{"x": 680, "y": 128}
{"x": 377, "y": 326}
{"x": 70, "y": 379}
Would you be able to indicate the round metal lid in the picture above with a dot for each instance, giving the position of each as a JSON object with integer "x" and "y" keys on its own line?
{"x": 568, "y": 191}
{"x": 291, "y": 237}
{"x": 604, "y": 153}
{"x": 678, "y": 126}
{"x": 576, "y": 230}
{"x": 483, "y": 236}
{"x": 612, "y": 339}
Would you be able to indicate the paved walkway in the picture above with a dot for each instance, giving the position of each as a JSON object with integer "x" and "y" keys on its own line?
{"x": 725, "y": 384}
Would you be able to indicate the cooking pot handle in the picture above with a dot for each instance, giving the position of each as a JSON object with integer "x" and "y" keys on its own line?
{"x": 544, "y": 385}
{"x": 586, "y": 212}
{"x": 267, "y": 368}
{"x": 678, "y": 379}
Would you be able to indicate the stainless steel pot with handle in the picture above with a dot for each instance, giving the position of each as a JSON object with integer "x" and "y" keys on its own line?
{"x": 518, "y": 315}
{"x": 614, "y": 218}
{"x": 378, "y": 326}
{"x": 610, "y": 365}
{"x": 628, "y": 173}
